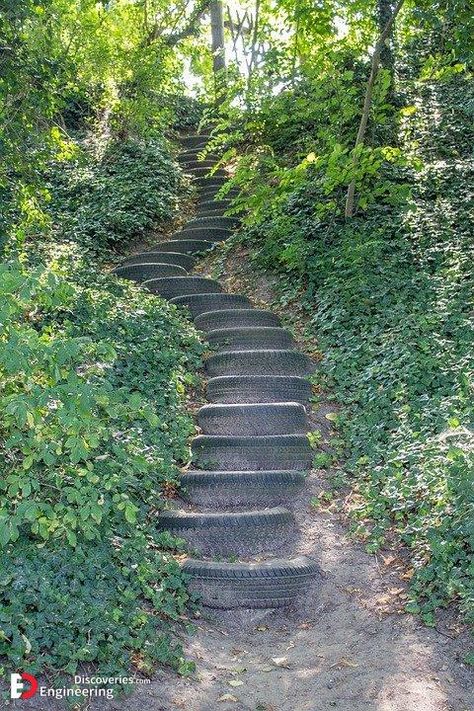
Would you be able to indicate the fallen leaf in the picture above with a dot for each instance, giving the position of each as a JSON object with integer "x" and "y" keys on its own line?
{"x": 238, "y": 670}
{"x": 27, "y": 644}
{"x": 388, "y": 560}
{"x": 228, "y": 697}
{"x": 280, "y": 662}
{"x": 343, "y": 662}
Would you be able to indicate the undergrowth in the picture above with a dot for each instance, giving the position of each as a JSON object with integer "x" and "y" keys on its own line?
{"x": 388, "y": 295}
{"x": 93, "y": 374}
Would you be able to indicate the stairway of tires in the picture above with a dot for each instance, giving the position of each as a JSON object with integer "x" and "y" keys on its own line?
{"x": 253, "y": 454}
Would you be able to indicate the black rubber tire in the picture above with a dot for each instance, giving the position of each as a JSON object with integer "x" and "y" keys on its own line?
{"x": 231, "y": 453}
{"x": 253, "y": 419}
{"x": 235, "y": 318}
{"x": 258, "y": 388}
{"x": 192, "y": 156}
{"x": 192, "y": 164}
{"x": 183, "y": 260}
{"x": 209, "y": 212}
{"x": 233, "y": 489}
{"x": 223, "y": 204}
{"x": 257, "y": 362}
{"x": 210, "y": 234}
{"x": 266, "y": 584}
{"x": 211, "y": 182}
{"x": 228, "y": 533}
{"x": 174, "y": 520}
{"x": 229, "y": 223}
{"x": 211, "y": 193}
{"x": 186, "y": 246}
{"x": 169, "y": 287}
{"x": 219, "y": 212}
{"x": 205, "y": 171}
{"x": 248, "y": 338}
{"x": 149, "y": 270}
{"x": 194, "y": 140}
{"x": 205, "y": 181}
{"x": 199, "y": 303}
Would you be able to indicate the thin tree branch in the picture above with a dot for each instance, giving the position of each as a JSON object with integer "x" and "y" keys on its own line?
{"x": 253, "y": 53}
{"x": 191, "y": 27}
{"x": 349, "y": 211}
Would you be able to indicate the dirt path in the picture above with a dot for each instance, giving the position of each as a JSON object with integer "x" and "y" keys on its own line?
{"x": 341, "y": 651}
{"x": 349, "y": 646}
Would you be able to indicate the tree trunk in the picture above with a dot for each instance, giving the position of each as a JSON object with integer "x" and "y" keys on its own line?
{"x": 387, "y": 56}
{"x": 218, "y": 49}
{"x": 368, "y": 99}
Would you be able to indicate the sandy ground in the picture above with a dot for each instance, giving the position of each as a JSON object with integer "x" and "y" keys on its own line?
{"x": 349, "y": 646}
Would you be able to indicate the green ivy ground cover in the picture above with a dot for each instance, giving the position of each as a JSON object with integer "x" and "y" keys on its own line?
{"x": 93, "y": 373}
{"x": 388, "y": 295}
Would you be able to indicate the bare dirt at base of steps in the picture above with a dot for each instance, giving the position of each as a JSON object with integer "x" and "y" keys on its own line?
{"x": 348, "y": 646}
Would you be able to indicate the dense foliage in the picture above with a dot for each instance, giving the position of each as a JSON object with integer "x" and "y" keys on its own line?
{"x": 388, "y": 293}
{"x": 93, "y": 374}
{"x": 93, "y": 371}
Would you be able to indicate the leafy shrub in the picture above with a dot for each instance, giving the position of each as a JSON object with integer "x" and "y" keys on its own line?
{"x": 388, "y": 295}
{"x": 92, "y": 384}
{"x": 187, "y": 111}
{"x": 106, "y": 196}
{"x": 93, "y": 373}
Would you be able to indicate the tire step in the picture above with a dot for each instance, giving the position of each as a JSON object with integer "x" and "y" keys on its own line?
{"x": 258, "y": 388}
{"x": 253, "y": 419}
{"x": 183, "y": 260}
{"x": 192, "y": 156}
{"x": 210, "y": 234}
{"x": 218, "y": 212}
{"x": 169, "y": 287}
{"x": 213, "y": 221}
{"x": 268, "y": 584}
{"x": 257, "y": 362}
{"x": 208, "y": 181}
{"x": 229, "y": 453}
{"x": 225, "y": 533}
{"x": 235, "y": 318}
{"x": 186, "y": 246}
{"x": 206, "y": 163}
{"x": 214, "y": 205}
{"x": 194, "y": 140}
{"x": 247, "y": 338}
{"x": 149, "y": 270}
{"x": 204, "y": 171}
{"x": 200, "y": 303}
{"x": 206, "y": 194}
{"x": 232, "y": 489}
